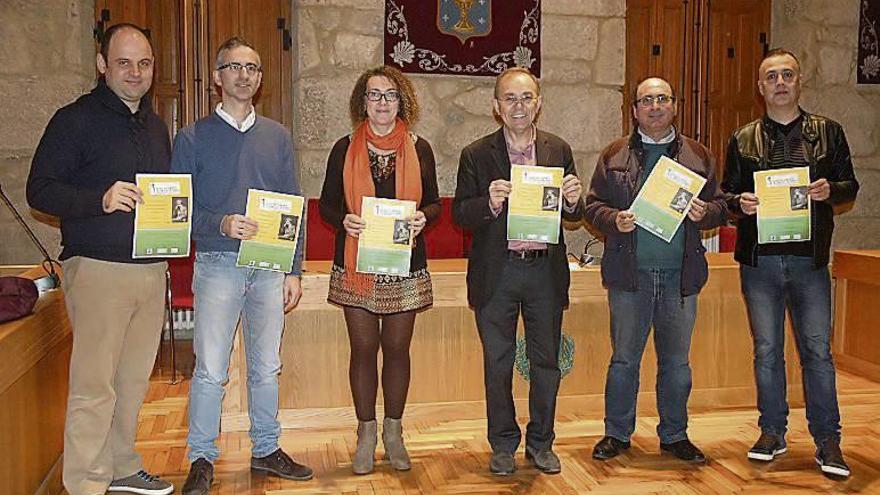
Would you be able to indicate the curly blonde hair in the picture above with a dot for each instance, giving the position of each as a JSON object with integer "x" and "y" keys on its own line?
{"x": 408, "y": 109}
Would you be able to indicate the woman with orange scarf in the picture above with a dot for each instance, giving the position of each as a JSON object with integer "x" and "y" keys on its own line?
{"x": 381, "y": 158}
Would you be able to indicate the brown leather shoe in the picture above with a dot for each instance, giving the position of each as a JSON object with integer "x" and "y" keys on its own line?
{"x": 280, "y": 464}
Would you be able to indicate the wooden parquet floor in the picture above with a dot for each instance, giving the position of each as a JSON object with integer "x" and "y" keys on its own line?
{"x": 450, "y": 456}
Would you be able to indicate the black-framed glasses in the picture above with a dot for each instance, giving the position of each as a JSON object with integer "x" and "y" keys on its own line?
{"x": 788, "y": 76}
{"x": 391, "y": 96}
{"x": 662, "y": 100}
{"x": 526, "y": 99}
{"x": 250, "y": 68}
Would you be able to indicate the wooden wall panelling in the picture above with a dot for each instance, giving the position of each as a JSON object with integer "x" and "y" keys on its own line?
{"x": 34, "y": 362}
{"x": 446, "y": 352}
{"x": 855, "y": 344}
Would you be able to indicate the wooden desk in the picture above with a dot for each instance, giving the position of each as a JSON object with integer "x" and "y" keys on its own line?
{"x": 447, "y": 363}
{"x": 856, "y": 345}
{"x": 34, "y": 360}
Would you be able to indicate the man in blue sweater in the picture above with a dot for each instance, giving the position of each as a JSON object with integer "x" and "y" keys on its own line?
{"x": 227, "y": 153}
{"x": 83, "y": 172}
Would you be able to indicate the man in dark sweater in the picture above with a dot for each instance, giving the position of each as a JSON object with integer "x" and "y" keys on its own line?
{"x": 792, "y": 275}
{"x": 227, "y": 153}
{"x": 83, "y": 172}
{"x": 651, "y": 282}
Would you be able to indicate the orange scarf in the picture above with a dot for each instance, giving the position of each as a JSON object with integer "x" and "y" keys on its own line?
{"x": 357, "y": 180}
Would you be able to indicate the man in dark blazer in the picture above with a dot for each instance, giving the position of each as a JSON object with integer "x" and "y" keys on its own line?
{"x": 506, "y": 277}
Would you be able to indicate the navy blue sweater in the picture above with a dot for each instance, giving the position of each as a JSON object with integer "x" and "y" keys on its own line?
{"x": 87, "y": 147}
{"x": 225, "y": 163}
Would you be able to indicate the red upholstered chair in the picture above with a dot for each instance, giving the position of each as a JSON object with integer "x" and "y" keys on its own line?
{"x": 320, "y": 236}
{"x": 726, "y": 239}
{"x": 444, "y": 239}
{"x": 178, "y": 295}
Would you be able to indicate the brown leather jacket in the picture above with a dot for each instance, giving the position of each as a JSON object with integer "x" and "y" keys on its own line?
{"x": 828, "y": 156}
{"x": 614, "y": 187}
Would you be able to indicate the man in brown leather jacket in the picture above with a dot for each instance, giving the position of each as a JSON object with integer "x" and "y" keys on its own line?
{"x": 651, "y": 282}
{"x": 791, "y": 275}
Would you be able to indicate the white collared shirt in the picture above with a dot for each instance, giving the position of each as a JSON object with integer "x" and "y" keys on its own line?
{"x": 246, "y": 124}
{"x": 664, "y": 140}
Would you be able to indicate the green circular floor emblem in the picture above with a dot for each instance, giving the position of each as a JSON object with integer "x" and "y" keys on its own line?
{"x": 566, "y": 356}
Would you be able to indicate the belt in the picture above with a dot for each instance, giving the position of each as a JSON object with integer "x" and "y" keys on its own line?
{"x": 527, "y": 254}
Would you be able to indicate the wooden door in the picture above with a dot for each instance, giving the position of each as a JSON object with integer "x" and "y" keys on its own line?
{"x": 658, "y": 44}
{"x": 738, "y": 36}
{"x": 161, "y": 21}
{"x": 185, "y": 35}
{"x": 709, "y": 50}
{"x": 263, "y": 23}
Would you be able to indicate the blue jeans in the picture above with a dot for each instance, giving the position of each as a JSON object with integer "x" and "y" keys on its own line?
{"x": 223, "y": 293}
{"x": 657, "y": 302}
{"x": 777, "y": 283}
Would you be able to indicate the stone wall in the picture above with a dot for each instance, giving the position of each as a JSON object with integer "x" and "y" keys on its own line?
{"x": 47, "y": 60}
{"x": 824, "y": 35}
{"x": 583, "y": 46}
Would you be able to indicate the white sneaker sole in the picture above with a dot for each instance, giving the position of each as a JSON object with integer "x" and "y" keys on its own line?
{"x": 141, "y": 491}
{"x": 767, "y": 457}
{"x": 832, "y": 470}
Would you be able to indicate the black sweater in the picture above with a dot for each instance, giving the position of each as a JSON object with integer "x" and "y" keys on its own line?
{"x": 87, "y": 147}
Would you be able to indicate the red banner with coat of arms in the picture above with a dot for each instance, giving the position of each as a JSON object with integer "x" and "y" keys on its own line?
{"x": 466, "y": 37}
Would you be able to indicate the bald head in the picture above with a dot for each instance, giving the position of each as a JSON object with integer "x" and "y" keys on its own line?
{"x": 655, "y": 107}
{"x": 652, "y": 83}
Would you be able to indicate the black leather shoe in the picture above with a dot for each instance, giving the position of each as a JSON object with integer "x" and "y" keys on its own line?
{"x": 545, "y": 461}
{"x": 830, "y": 459}
{"x": 684, "y": 450}
{"x": 608, "y": 448}
{"x": 280, "y": 464}
{"x": 199, "y": 479}
{"x": 502, "y": 464}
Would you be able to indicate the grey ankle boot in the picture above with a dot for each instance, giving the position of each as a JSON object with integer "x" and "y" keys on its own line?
{"x": 395, "y": 452}
{"x": 362, "y": 462}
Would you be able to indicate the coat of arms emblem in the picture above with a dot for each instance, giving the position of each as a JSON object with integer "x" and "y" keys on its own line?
{"x": 464, "y": 18}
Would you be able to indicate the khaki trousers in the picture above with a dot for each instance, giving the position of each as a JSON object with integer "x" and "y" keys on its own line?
{"x": 116, "y": 312}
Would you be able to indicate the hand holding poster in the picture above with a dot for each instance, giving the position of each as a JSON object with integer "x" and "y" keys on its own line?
{"x": 163, "y": 222}
{"x": 385, "y": 244}
{"x": 278, "y": 217}
{"x": 784, "y": 204}
{"x": 665, "y": 198}
{"x": 534, "y": 209}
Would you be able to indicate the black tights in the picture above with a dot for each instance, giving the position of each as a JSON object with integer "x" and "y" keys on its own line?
{"x": 365, "y": 337}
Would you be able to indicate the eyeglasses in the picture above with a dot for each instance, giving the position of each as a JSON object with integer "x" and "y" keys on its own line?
{"x": 662, "y": 100}
{"x": 251, "y": 68}
{"x": 391, "y": 96}
{"x": 510, "y": 100}
{"x": 788, "y": 75}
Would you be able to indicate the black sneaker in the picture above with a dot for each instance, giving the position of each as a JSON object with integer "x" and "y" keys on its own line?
{"x": 200, "y": 477}
{"x": 830, "y": 459}
{"x": 684, "y": 450}
{"x": 768, "y": 446}
{"x": 142, "y": 483}
{"x": 280, "y": 464}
